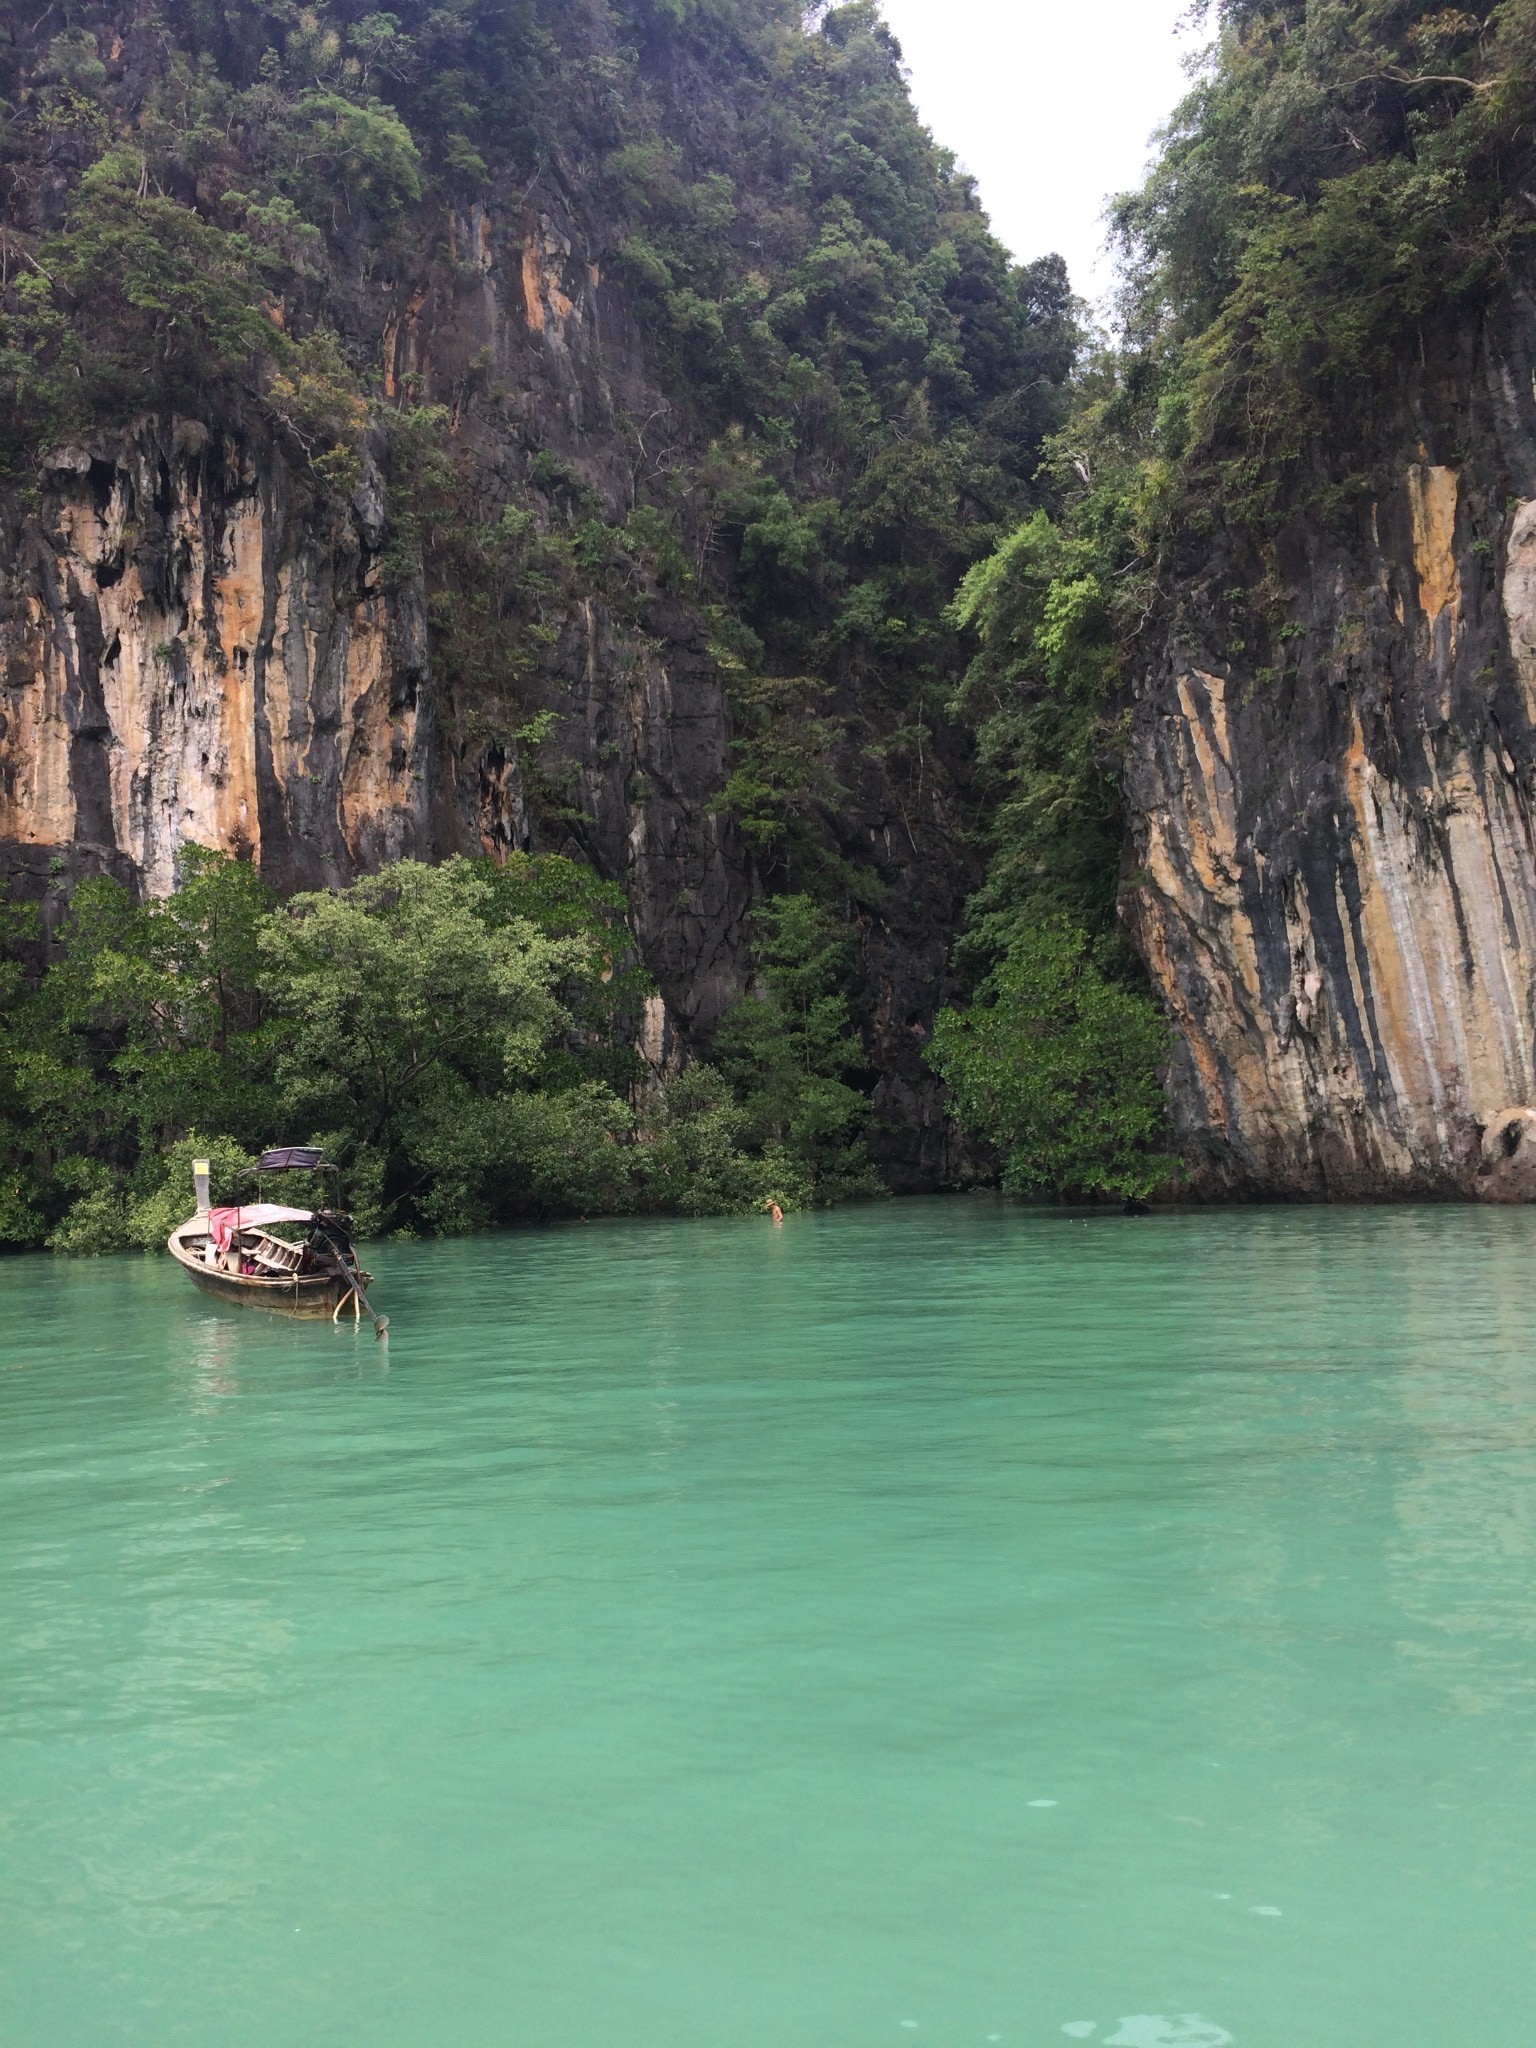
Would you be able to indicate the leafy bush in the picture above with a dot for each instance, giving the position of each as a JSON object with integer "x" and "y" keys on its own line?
{"x": 694, "y": 1161}
{"x": 1056, "y": 1065}
{"x": 111, "y": 1214}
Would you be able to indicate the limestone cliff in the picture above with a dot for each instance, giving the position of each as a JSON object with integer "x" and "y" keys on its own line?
{"x": 196, "y": 646}
{"x": 1334, "y": 880}
{"x": 183, "y": 660}
{"x": 557, "y": 426}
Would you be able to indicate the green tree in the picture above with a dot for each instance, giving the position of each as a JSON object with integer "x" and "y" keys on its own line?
{"x": 147, "y": 1026}
{"x": 695, "y": 1160}
{"x": 23, "y": 1200}
{"x": 1055, "y": 1065}
{"x": 153, "y": 1013}
{"x": 787, "y": 1050}
{"x": 114, "y": 1212}
{"x": 414, "y": 1013}
{"x": 604, "y": 997}
{"x": 1040, "y": 690}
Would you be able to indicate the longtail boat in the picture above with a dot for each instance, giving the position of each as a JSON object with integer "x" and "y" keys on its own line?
{"x": 237, "y": 1253}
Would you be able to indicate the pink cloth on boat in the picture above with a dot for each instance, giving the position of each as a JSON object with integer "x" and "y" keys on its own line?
{"x": 223, "y": 1223}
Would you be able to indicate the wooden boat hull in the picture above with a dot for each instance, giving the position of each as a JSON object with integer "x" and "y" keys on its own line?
{"x": 307, "y": 1294}
{"x": 317, "y": 1295}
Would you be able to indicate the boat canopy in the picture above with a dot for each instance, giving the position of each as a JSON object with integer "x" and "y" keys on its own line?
{"x": 291, "y": 1158}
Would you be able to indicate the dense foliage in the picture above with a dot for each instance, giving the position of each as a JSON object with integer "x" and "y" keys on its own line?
{"x": 789, "y": 1049}
{"x": 458, "y": 1038}
{"x": 1057, "y": 1064}
{"x": 1056, "y": 1061}
{"x": 1345, "y": 175}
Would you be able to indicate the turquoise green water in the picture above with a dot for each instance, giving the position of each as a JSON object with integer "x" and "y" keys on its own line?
{"x": 933, "y": 1623}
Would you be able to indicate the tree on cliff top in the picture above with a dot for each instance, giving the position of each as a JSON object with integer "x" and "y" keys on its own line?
{"x": 1339, "y": 175}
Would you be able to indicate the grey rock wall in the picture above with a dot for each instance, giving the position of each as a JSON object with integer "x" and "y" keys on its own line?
{"x": 1334, "y": 875}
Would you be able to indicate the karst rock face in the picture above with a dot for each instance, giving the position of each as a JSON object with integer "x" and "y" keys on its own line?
{"x": 1333, "y": 863}
{"x": 186, "y": 660}
{"x": 197, "y": 646}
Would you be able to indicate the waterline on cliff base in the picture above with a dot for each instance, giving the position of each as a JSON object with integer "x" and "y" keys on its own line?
{"x": 943, "y": 1622}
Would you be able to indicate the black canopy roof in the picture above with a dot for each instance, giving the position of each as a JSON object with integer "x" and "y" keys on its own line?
{"x": 286, "y": 1158}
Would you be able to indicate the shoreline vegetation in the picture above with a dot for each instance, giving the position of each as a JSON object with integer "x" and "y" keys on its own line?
{"x": 460, "y": 1041}
{"x": 458, "y": 1038}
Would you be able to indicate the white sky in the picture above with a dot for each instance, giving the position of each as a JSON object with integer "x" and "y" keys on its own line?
{"x": 1050, "y": 103}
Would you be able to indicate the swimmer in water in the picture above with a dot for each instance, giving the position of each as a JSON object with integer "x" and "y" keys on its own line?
{"x": 775, "y": 1212}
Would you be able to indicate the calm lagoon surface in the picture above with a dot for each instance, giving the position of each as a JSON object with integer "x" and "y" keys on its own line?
{"x": 933, "y": 1622}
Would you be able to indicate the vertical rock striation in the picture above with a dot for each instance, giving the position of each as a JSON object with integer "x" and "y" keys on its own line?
{"x": 187, "y": 658}
{"x": 196, "y": 646}
{"x": 1334, "y": 880}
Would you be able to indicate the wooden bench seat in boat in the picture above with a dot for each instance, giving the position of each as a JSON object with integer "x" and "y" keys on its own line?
{"x": 274, "y": 1254}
